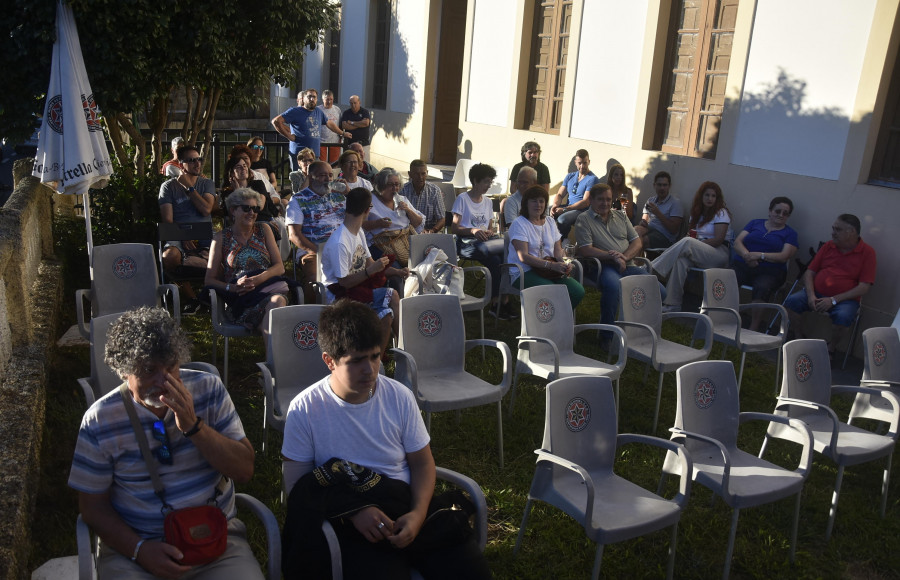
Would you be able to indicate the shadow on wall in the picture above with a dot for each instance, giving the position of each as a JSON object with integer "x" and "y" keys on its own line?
{"x": 401, "y": 91}
{"x": 463, "y": 146}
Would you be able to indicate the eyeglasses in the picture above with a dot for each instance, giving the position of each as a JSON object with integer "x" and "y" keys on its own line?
{"x": 163, "y": 452}
{"x": 193, "y": 160}
{"x": 257, "y": 147}
{"x": 249, "y": 208}
{"x": 781, "y": 212}
{"x": 393, "y": 184}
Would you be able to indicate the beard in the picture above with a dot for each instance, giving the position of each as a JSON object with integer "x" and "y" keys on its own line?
{"x": 319, "y": 188}
{"x": 151, "y": 399}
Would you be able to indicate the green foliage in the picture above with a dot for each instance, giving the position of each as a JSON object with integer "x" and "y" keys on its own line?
{"x": 126, "y": 210}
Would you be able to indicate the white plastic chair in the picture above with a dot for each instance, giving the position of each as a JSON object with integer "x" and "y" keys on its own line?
{"x": 467, "y": 484}
{"x": 460, "y": 179}
{"x": 641, "y": 317}
{"x": 881, "y": 370}
{"x": 89, "y": 544}
{"x": 419, "y": 245}
{"x": 431, "y": 359}
{"x": 707, "y": 423}
{"x": 221, "y": 327}
{"x": 574, "y": 470}
{"x": 721, "y": 302}
{"x": 125, "y": 277}
{"x": 547, "y": 340}
{"x": 805, "y": 395}
{"x": 294, "y": 361}
{"x": 498, "y": 185}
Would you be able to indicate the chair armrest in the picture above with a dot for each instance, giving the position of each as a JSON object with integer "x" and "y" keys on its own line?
{"x": 642, "y": 262}
{"x": 484, "y": 272}
{"x": 321, "y": 292}
{"x": 785, "y": 402}
{"x": 622, "y": 356}
{"x": 785, "y": 322}
{"x": 420, "y": 284}
{"x": 684, "y": 458}
{"x": 82, "y": 296}
{"x": 544, "y": 455}
{"x": 700, "y": 318}
{"x": 805, "y": 463}
{"x": 88, "y": 388}
{"x": 504, "y": 352}
{"x": 406, "y": 371}
{"x": 597, "y": 264}
{"x": 476, "y": 494}
{"x": 540, "y": 339}
{"x": 520, "y": 280}
{"x": 731, "y": 312}
{"x": 334, "y": 548}
{"x": 268, "y": 382}
{"x": 87, "y": 553}
{"x": 171, "y": 289}
{"x": 887, "y": 395}
{"x": 879, "y": 383}
{"x": 726, "y": 457}
{"x": 577, "y": 271}
{"x": 273, "y": 532}
{"x": 647, "y": 328}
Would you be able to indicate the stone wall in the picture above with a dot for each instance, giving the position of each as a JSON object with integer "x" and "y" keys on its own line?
{"x": 30, "y": 293}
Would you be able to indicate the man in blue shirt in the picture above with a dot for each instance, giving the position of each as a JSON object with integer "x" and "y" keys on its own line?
{"x": 301, "y": 125}
{"x": 572, "y": 198}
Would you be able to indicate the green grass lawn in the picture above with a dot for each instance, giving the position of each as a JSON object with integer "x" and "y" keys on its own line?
{"x": 863, "y": 546}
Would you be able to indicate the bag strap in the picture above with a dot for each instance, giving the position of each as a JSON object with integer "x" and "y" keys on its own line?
{"x": 145, "y": 447}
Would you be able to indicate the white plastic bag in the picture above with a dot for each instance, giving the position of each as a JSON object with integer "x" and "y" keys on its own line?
{"x": 435, "y": 275}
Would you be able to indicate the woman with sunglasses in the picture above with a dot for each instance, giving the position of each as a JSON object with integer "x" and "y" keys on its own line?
{"x": 257, "y": 161}
{"x": 762, "y": 251}
{"x": 245, "y": 266}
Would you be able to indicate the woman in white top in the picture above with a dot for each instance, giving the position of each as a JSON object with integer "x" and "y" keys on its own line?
{"x": 533, "y": 238}
{"x": 475, "y": 238}
{"x": 708, "y": 245}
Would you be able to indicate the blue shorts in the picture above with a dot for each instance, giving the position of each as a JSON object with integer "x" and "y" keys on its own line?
{"x": 842, "y": 314}
{"x": 381, "y": 301}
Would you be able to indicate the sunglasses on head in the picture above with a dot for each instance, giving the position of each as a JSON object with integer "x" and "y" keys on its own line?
{"x": 249, "y": 208}
{"x": 257, "y": 147}
{"x": 163, "y": 452}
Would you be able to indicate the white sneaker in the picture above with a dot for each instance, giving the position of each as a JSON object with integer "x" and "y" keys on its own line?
{"x": 671, "y": 308}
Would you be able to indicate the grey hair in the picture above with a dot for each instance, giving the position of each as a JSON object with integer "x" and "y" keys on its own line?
{"x": 240, "y": 195}
{"x": 527, "y": 169}
{"x": 144, "y": 339}
{"x": 380, "y": 179}
{"x": 177, "y": 141}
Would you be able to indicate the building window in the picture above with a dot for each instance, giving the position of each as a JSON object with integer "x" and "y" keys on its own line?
{"x": 698, "y": 56}
{"x": 381, "y": 53}
{"x": 547, "y": 77}
{"x": 886, "y": 160}
{"x": 333, "y": 58}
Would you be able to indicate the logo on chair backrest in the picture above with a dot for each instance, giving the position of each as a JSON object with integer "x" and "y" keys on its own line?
{"x": 879, "y": 353}
{"x": 544, "y": 310}
{"x": 429, "y": 323}
{"x": 124, "y": 267}
{"x": 803, "y": 368}
{"x": 718, "y": 289}
{"x": 704, "y": 393}
{"x": 306, "y": 335}
{"x": 638, "y": 298}
{"x": 578, "y": 414}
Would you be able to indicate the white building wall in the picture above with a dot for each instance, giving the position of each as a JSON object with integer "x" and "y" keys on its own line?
{"x": 810, "y": 53}
{"x": 491, "y": 66}
{"x": 608, "y": 70}
{"x": 408, "y": 49}
{"x": 354, "y": 43}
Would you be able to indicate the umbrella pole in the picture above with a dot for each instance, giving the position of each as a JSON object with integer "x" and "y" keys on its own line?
{"x": 86, "y": 200}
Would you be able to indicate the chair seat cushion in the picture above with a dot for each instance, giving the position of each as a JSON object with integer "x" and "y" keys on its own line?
{"x": 753, "y": 481}
{"x": 750, "y": 341}
{"x": 669, "y": 355}
{"x": 570, "y": 364}
{"x": 446, "y": 391}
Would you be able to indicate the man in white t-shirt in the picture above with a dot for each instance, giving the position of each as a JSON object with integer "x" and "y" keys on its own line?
{"x": 330, "y": 147}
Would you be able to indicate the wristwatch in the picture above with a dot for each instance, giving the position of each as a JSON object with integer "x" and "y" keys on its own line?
{"x": 762, "y": 257}
{"x": 833, "y": 301}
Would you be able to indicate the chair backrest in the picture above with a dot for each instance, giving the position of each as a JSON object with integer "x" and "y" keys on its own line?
{"x": 580, "y": 421}
{"x": 498, "y": 185}
{"x": 432, "y": 331}
{"x": 882, "y": 354}
{"x": 294, "y": 355}
{"x": 171, "y": 232}
{"x": 720, "y": 290}
{"x": 125, "y": 276}
{"x": 419, "y": 246}
{"x": 641, "y": 302}
{"x": 461, "y": 174}
{"x": 807, "y": 372}
{"x": 896, "y": 322}
{"x": 547, "y": 312}
{"x": 708, "y": 402}
{"x": 103, "y": 378}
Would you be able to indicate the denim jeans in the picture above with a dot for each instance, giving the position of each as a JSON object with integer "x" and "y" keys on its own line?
{"x": 611, "y": 290}
{"x": 489, "y": 254}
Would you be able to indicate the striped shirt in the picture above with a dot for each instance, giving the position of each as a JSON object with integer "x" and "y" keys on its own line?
{"x": 429, "y": 203}
{"x": 108, "y": 458}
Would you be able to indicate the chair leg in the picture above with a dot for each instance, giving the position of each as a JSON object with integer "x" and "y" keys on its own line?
{"x": 646, "y": 372}
{"x": 215, "y": 346}
{"x": 428, "y": 421}
{"x": 762, "y": 449}
{"x": 617, "y": 399}
{"x": 512, "y": 396}
{"x": 741, "y": 373}
{"x": 521, "y": 533}
{"x": 481, "y": 320}
{"x": 777, "y": 370}
{"x": 794, "y": 527}
{"x": 884, "y": 486}
{"x": 225, "y": 374}
{"x": 724, "y": 350}
{"x": 658, "y": 397}
{"x": 834, "y": 501}
{"x": 731, "y": 536}
{"x": 673, "y": 543}
{"x": 500, "y": 431}
{"x": 598, "y": 559}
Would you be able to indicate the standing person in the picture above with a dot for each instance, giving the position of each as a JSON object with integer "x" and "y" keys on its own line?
{"x": 839, "y": 275}
{"x": 330, "y": 149}
{"x": 571, "y": 199}
{"x": 194, "y": 432}
{"x": 761, "y": 254}
{"x": 172, "y": 167}
{"x": 623, "y": 197}
{"x": 357, "y": 120}
{"x": 532, "y": 239}
{"x": 475, "y": 238}
{"x": 663, "y": 215}
{"x": 711, "y": 224}
{"x": 301, "y": 125}
{"x": 260, "y": 163}
{"x": 184, "y": 199}
{"x": 359, "y": 434}
{"x": 426, "y": 197}
{"x": 531, "y": 157}
{"x": 607, "y": 235}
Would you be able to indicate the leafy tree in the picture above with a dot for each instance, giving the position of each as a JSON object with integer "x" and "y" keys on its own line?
{"x": 138, "y": 53}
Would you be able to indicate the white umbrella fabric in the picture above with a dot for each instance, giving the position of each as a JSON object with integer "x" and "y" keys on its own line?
{"x": 71, "y": 149}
